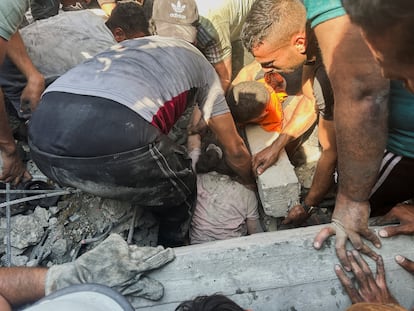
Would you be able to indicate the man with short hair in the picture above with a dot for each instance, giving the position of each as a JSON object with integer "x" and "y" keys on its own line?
{"x": 275, "y": 33}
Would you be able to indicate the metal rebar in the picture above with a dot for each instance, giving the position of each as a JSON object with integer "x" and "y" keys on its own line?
{"x": 28, "y": 191}
{"x": 8, "y": 226}
{"x": 132, "y": 226}
{"x": 36, "y": 197}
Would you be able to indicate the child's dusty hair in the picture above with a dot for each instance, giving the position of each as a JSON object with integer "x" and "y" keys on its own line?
{"x": 215, "y": 302}
{"x": 212, "y": 157}
{"x": 247, "y": 100}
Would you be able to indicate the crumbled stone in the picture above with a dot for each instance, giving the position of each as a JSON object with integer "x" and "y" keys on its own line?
{"x": 59, "y": 248}
{"x": 25, "y": 231}
{"x": 42, "y": 215}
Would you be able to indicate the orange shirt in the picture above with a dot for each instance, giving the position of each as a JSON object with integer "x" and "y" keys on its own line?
{"x": 273, "y": 115}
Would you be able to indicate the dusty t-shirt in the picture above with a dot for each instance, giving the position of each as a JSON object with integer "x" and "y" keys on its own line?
{"x": 153, "y": 76}
{"x": 223, "y": 205}
{"x": 223, "y": 20}
{"x": 55, "y": 45}
{"x": 11, "y": 16}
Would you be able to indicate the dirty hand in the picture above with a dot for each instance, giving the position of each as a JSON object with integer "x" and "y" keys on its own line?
{"x": 404, "y": 213}
{"x": 13, "y": 169}
{"x": 406, "y": 263}
{"x": 31, "y": 93}
{"x": 369, "y": 288}
{"x": 296, "y": 215}
{"x": 262, "y": 160}
{"x": 349, "y": 221}
{"x": 116, "y": 264}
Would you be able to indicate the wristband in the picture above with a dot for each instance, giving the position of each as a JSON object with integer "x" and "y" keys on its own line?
{"x": 308, "y": 209}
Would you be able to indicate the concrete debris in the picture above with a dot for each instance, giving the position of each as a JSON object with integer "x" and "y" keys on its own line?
{"x": 61, "y": 233}
{"x": 25, "y": 231}
{"x": 56, "y": 234}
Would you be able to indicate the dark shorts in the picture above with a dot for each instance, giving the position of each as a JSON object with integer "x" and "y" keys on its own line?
{"x": 87, "y": 126}
{"x": 395, "y": 183}
{"x": 106, "y": 149}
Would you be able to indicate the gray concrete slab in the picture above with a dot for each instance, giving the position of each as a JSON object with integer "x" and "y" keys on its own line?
{"x": 278, "y": 186}
{"x": 272, "y": 271}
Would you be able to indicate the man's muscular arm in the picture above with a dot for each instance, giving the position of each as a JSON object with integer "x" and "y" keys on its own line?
{"x": 21, "y": 285}
{"x": 237, "y": 154}
{"x": 35, "y": 86}
{"x": 361, "y": 129}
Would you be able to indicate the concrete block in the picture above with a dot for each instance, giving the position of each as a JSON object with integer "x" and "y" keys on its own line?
{"x": 278, "y": 186}
{"x": 273, "y": 271}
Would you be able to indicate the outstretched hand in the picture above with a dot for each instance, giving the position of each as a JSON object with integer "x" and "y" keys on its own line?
{"x": 404, "y": 213}
{"x": 349, "y": 221}
{"x": 367, "y": 288}
{"x": 406, "y": 263}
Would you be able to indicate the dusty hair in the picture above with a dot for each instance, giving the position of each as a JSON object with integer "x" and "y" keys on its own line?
{"x": 277, "y": 20}
{"x": 215, "y": 302}
{"x": 247, "y": 100}
{"x": 129, "y": 16}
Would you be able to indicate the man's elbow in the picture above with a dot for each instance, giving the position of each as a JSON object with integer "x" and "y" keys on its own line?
{"x": 237, "y": 150}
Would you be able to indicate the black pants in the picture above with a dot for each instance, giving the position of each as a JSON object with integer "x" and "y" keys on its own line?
{"x": 395, "y": 183}
{"x": 127, "y": 160}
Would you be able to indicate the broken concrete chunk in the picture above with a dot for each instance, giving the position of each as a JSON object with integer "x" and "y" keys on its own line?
{"x": 15, "y": 260}
{"x": 42, "y": 215}
{"x": 278, "y": 186}
{"x": 59, "y": 248}
{"x": 114, "y": 209}
{"x": 25, "y": 231}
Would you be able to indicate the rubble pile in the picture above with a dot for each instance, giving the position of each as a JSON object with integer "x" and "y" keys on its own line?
{"x": 42, "y": 236}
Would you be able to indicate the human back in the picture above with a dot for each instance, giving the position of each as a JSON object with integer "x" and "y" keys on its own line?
{"x": 154, "y": 70}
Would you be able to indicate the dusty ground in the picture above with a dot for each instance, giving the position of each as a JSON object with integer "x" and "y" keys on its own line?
{"x": 53, "y": 231}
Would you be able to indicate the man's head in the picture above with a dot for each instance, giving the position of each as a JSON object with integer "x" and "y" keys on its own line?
{"x": 176, "y": 18}
{"x": 248, "y": 101}
{"x": 387, "y": 27}
{"x": 275, "y": 33}
{"x": 128, "y": 21}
